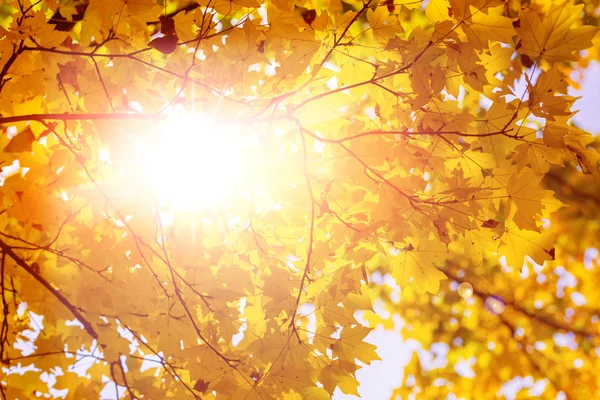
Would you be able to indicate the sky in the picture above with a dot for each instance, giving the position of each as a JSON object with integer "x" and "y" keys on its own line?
{"x": 587, "y": 117}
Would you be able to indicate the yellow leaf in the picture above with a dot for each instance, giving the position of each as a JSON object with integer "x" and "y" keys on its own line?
{"x": 553, "y": 36}
{"x": 490, "y": 25}
{"x": 525, "y": 198}
{"x": 416, "y": 261}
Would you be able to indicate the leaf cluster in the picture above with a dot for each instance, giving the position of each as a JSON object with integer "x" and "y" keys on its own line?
{"x": 421, "y": 141}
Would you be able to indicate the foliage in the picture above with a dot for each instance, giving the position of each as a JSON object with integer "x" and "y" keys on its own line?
{"x": 420, "y": 140}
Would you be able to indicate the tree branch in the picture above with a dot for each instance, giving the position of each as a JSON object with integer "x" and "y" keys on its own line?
{"x": 311, "y": 235}
{"x": 80, "y": 117}
{"x": 6, "y": 249}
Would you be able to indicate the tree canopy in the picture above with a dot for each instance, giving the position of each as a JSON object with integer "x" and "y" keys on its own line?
{"x": 223, "y": 198}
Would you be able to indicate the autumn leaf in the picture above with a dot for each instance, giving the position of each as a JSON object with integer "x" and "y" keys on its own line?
{"x": 165, "y": 44}
{"x": 525, "y": 199}
{"x": 21, "y": 142}
{"x": 490, "y": 223}
{"x": 201, "y": 386}
{"x": 417, "y": 261}
{"x": 553, "y": 37}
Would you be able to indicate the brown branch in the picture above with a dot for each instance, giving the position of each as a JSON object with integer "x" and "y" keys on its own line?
{"x": 11, "y": 60}
{"x": 532, "y": 361}
{"x": 343, "y": 34}
{"x": 409, "y": 133}
{"x": 6, "y": 249}
{"x": 544, "y": 319}
{"x": 81, "y": 161}
{"x": 255, "y": 236}
{"x": 59, "y": 253}
{"x": 132, "y": 56}
{"x": 482, "y": 295}
{"x": 311, "y": 237}
{"x": 383, "y": 179}
{"x": 106, "y": 93}
{"x": 172, "y": 371}
{"x": 119, "y": 364}
{"x": 346, "y": 223}
{"x": 227, "y": 360}
{"x": 81, "y": 356}
{"x": 185, "y": 9}
{"x": 4, "y": 332}
{"x": 80, "y": 117}
{"x": 376, "y": 79}
{"x": 114, "y": 378}
{"x": 576, "y": 191}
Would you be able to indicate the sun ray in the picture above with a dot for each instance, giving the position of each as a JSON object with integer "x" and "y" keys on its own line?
{"x": 191, "y": 162}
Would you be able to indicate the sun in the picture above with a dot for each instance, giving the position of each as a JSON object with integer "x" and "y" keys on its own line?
{"x": 192, "y": 162}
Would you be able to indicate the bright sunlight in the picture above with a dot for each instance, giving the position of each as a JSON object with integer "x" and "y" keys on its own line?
{"x": 192, "y": 162}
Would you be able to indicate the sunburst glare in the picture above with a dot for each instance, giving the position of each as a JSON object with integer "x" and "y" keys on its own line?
{"x": 192, "y": 162}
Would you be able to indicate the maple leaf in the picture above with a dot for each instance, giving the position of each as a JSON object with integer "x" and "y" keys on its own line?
{"x": 21, "y": 143}
{"x": 525, "y": 199}
{"x": 552, "y": 37}
{"x": 496, "y": 26}
{"x": 417, "y": 261}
